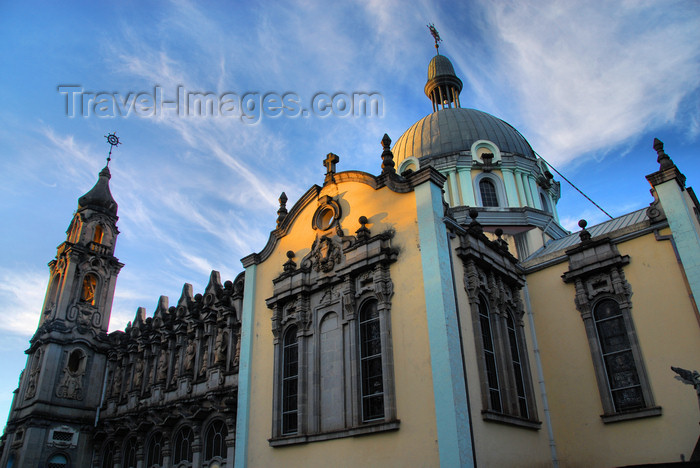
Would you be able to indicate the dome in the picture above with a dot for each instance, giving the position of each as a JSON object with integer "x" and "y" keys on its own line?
{"x": 457, "y": 129}
{"x": 440, "y": 66}
{"x": 99, "y": 197}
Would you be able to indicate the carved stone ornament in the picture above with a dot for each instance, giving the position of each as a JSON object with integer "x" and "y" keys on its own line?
{"x": 71, "y": 383}
{"x": 34, "y": 374}
{"x": 325, "y": 254}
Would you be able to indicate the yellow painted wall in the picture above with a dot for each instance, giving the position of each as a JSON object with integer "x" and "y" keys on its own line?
{"x": 498, "y": 445}
{"x": 415, "y": 443}
{"x": 668, "y": 334}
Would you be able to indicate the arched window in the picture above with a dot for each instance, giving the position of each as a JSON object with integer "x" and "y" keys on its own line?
{"x": 489, "y": 356}
{"x": 488, "y": 193}
{"x": 129, "y": 456}
{"x": 57, "y": 461}
{"x": 75, "y": 361}
{"x": 618, "y": 359}
{"x": 371, "y": 362}
{"x": 290, "y": 381}
{"x": 108, "y": 455}
{"x": 215, "y": 440}
{"x": 89, "y": 287}
{"x": 99, "y": 233}
{"x": 517, "y": 362}
{"x": 154, "y": 451}
{"x": 182, "y": 446}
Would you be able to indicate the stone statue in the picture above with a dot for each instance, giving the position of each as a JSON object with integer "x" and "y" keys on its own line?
{"x": 162, "y": 366}
{"x": 688, "y": 378}
{"x": 189, "y": 356}
{"x": 221, "y": 347}
{"x": 237, "y": 357}
{"x": 71, "y": 384}
{"x": 205, "y": 359}
{"x": 176, "y": 367}
{"x": 138, "y": 374}
{"x": 34, "y": 375}
{"x": 117, "y": 384}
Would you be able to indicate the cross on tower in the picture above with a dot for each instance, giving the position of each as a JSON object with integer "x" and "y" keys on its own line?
{"x": 330, "y": 162}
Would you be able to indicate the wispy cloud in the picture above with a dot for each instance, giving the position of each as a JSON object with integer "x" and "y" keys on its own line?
{"x": 590, "y": 76}
{"x": 22, "y": 295}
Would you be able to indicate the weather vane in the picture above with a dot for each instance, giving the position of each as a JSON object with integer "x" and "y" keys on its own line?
{"x": 113, "y": 141}
{"x": 435, "y": 34}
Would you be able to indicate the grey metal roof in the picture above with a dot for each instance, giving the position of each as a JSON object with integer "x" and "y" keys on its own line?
{"x": 615, "y": 224}
{"x": 456, "y": 129}
{"x": 440, "y": 66}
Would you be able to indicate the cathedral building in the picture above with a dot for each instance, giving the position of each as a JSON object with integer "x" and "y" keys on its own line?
{"x": 432, "y": 314}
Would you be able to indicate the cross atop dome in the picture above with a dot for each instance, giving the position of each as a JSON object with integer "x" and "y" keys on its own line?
{"x": 436, "y": 36}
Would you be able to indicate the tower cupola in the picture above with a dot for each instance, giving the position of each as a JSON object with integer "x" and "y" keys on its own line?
{"x": 443, "y": 85}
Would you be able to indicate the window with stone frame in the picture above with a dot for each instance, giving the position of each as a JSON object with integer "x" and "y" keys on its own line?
{"x": 182, "y": 447}
{"x": 129, "y": 454}
{"x": 506, "y": 379}
{"x": 603, "y": 298}
{"x": 154, "y": 450}
{"x": 215, "y": 442}
{"x": 493, "y": 286}
{"x": 108, "y": 454}
{"x": 331, "y": 326}
{"x": 488, "y": 193}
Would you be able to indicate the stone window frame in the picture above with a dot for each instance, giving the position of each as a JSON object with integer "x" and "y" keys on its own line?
{"x": 354, "y": 277}
{"x": 596, "y": 271}
{"x": 129, "y": 449}
{"x": 177, "y": 450}
{"x": 352, "y": 390}
{"x": 610, "y": 414}
{"x": 510, "y": 411}
{"x": 150, "y": 449}
{"x": 498, "y": 185}
{"x": 107, "y": 453}
{"x": 222, "y": 432}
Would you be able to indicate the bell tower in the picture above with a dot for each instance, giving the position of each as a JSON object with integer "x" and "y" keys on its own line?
{"x": 61, "y": 386}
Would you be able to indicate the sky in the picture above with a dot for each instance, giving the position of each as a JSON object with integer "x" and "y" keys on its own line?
{"x": 588, "y": 83}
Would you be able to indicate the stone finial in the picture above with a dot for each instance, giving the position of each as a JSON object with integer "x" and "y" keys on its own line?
{"x": 662, "y": 158}
{"x": 282, "y": 212}
{"x": 500, "y": 241}
{"x": 363, "y": 233}
{"x": 475, "y": 226}
{"x": 290, "y": 265}
{"x": 584, "y": 234}
{"x": 330, "y": 162}
{"x": 387, "y": 156}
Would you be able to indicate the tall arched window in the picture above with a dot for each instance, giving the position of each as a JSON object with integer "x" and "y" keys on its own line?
{"x": 108, "y": 455}
{"x": 129, "y": 456}
{"x": 89, "y": 288}
{"x": 154, "y": 452}
{"x": 182, "y": 446}
{"x": 517, "y": 362}
{"x": 488, "y": 193}
{"x": 489, "y": 354}
{"x": 99, "y": 233}
{"x": 290, "y": 382}
{"x": 371, "y": 362}
{"x": 618, "y": 359}
{"x": 214, "y": 440}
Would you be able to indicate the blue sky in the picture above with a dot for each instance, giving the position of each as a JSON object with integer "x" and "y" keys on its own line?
{"x": 589, "y": 84}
